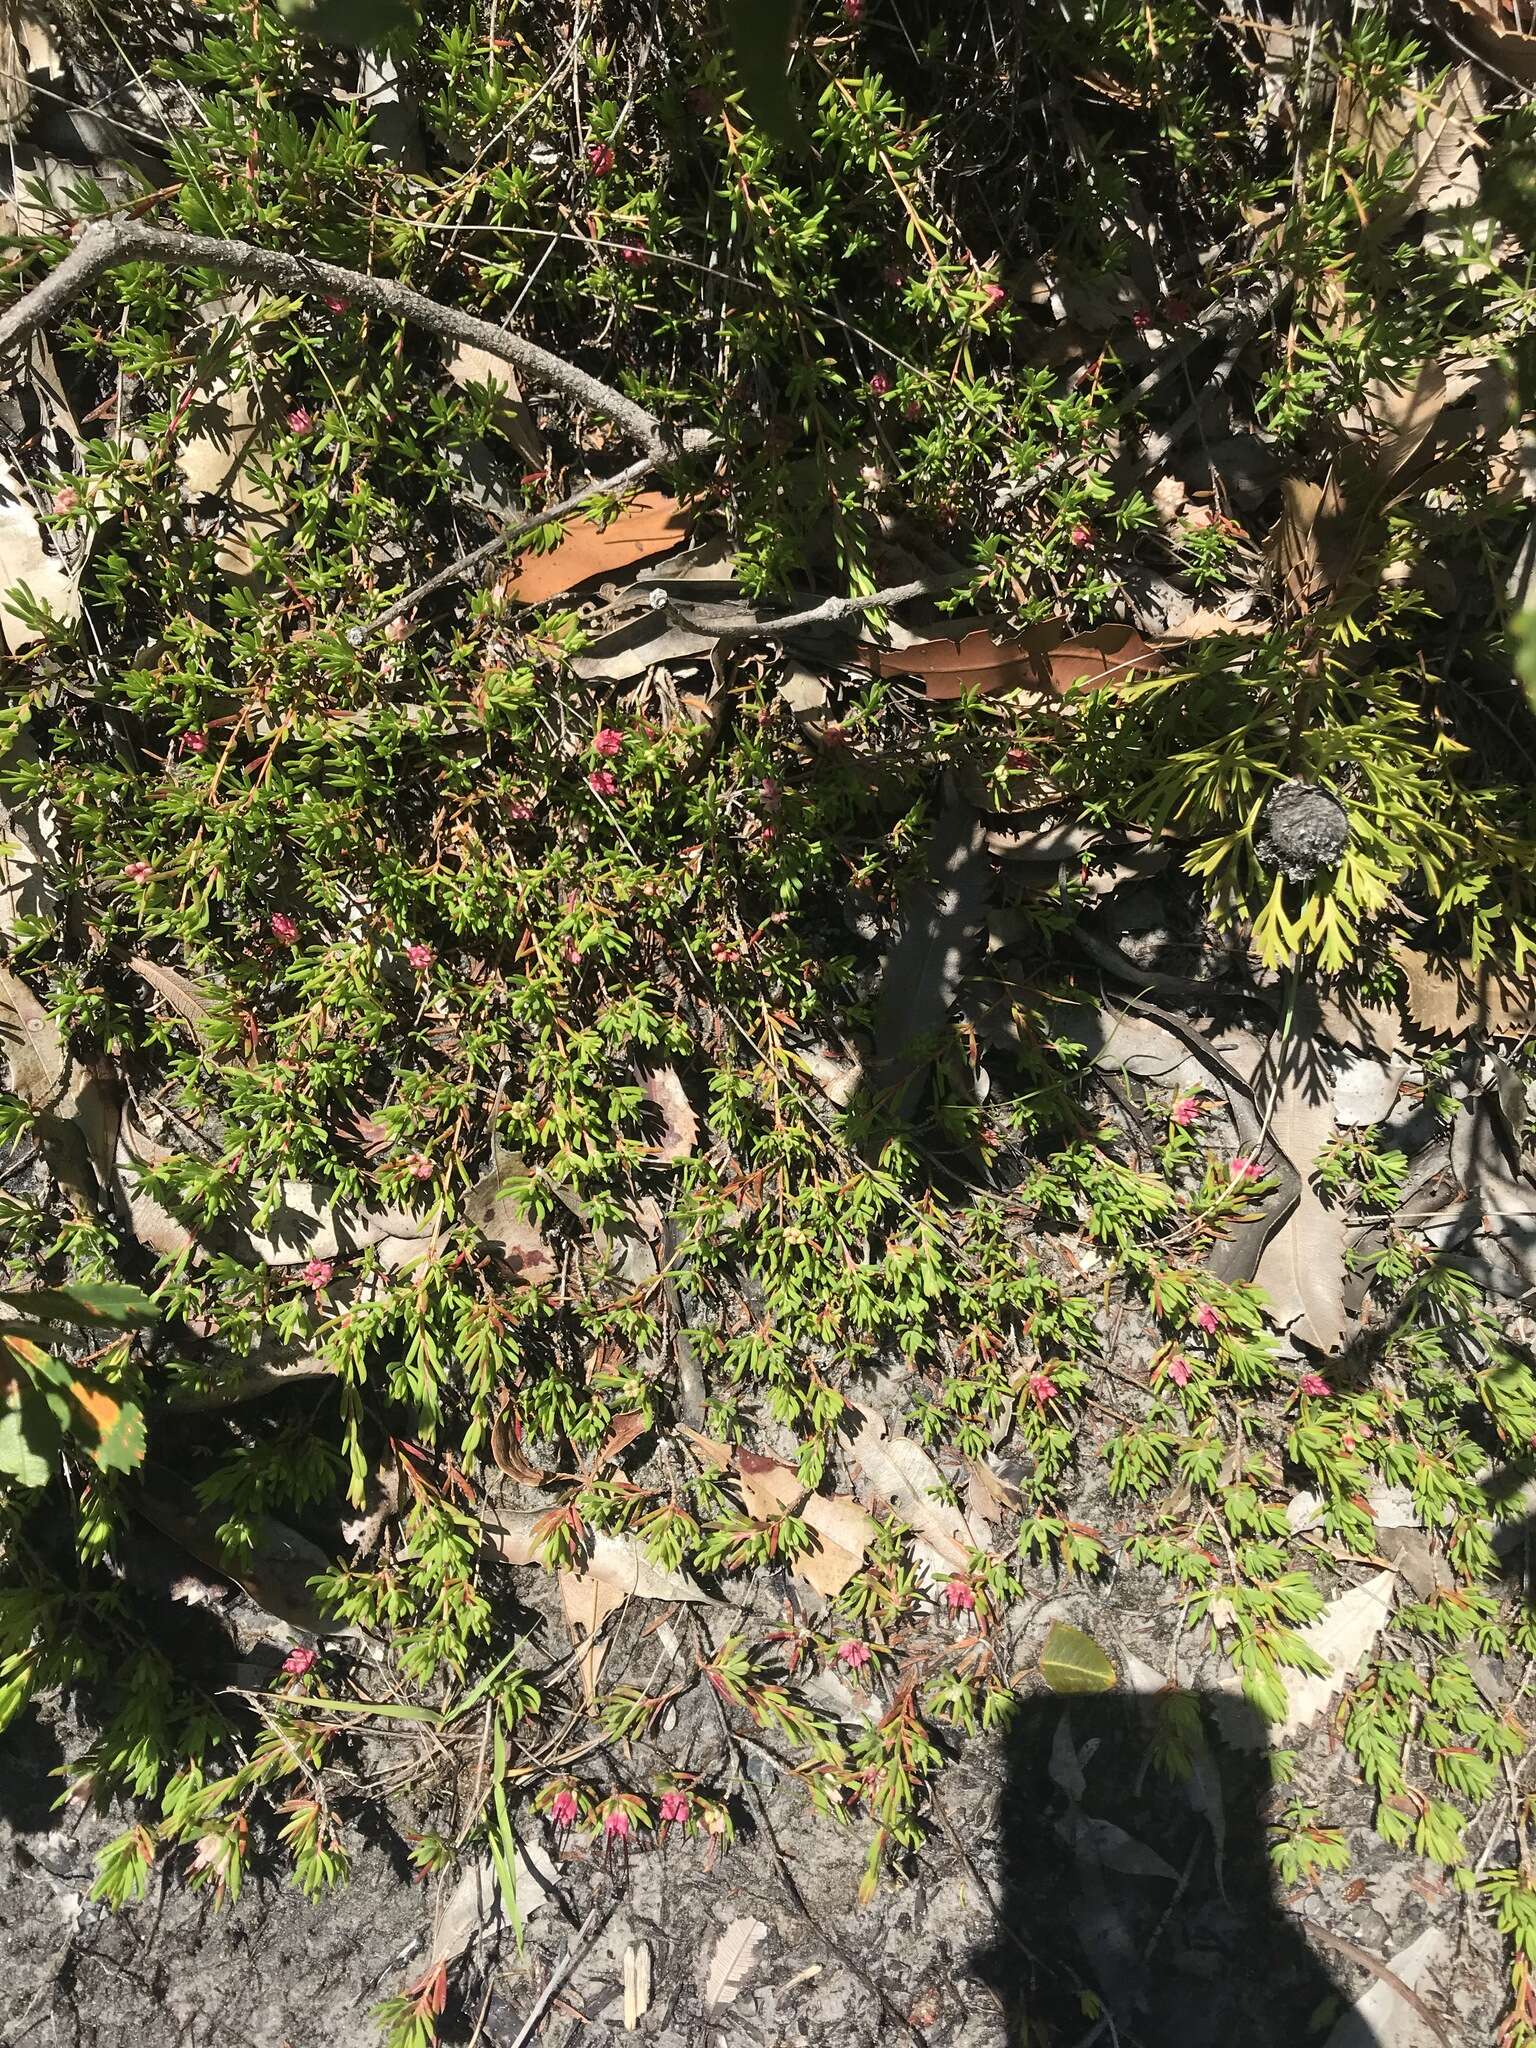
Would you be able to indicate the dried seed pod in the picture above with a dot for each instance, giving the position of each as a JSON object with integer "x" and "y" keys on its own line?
{"x": 1304, "y": 829}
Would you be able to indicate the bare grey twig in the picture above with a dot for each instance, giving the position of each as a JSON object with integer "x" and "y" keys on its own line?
{"x": 831, "y": 611}
{"x": 107, "y": 245}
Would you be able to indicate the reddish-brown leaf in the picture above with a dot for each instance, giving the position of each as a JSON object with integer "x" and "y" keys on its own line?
{"x": 649, "y": 525}
{"x": 976, "y": 659}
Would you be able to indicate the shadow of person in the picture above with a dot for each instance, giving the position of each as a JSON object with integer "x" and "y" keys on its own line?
{"x": 1139, "y": 1903}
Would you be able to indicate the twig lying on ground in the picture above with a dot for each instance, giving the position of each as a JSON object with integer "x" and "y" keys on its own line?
{"x": 107, "y": 245}
{"x": 830, "y": 611}
{"x": 1377, "y": 1969}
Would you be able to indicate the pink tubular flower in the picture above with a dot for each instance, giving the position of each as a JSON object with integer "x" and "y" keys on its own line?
{"x": 137, "y": 871}
{"x": 283, "y": 928}
{"x": 68, "y": 499}
{"x": 1206, "y": 1317}
{"x": 194, "y": 743}
{"x": 318, "y": 1273}
{"x": 608, "y": 743}
{"x": 994, "y": 294}
{"x": 1187, "y": 1110}
{"x": 617, "y": 1825}
{"x": 603, "y": 782}
{"x": 674, "y": 1806}
{"x": 297, "y": 1662}
{"x": 300, "y": 419}
{"x": 854, "y": 1655}
{"x": 1043, "y": 1387}
{"x": 563, "y": 1809}
{"x": 958, "y": 1597}
{"x": 1245, "y": 1169}
{"x": 1313, "y": 1383}
{"x": 879, "y": 383}
{"x": 634, "y": 255}
{"x": 420, "y": 957}
{"x": 600, "y": 159}
{"x": 1178, "y": 1372}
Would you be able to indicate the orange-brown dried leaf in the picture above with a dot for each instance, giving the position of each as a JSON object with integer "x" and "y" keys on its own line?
{"x": 649, "y": 525}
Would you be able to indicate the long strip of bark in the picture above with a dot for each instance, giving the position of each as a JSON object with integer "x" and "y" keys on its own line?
{"x": 107, "y": 245}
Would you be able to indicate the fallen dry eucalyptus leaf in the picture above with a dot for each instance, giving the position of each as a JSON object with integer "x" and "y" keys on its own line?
{"x": 1488, "y": 28}
{"x": 904, "y": 1477}
{"x": 731, "y": 1963}
{"x": 1381, "y": 2017}
{"x": 976, "y": 659}
{"x": 29, "y": 849}
{"x": 1343, "y": 1636}
{"x": 275, "y": 1572}
{"x": 843, "y": 1530}
{"x": 76, "y": 1107}
{"x": 664, "y": 1090}
{"x": 27, "y": 558}
{"x": 183, "y": 995}
{"x": 648, "y": 525}
{"x": 501, "y": 1222}
{"x": 473, "y": 1903}
{"x": 470, "y": 367}
{"x": 1302, "y": 1267}
{"x": 618, "y": 1561}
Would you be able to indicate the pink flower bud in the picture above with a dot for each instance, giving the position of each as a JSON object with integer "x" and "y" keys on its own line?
{"x": 854, "y": 1655}
{"x": 563, "y": 1809}
{"x": 1187, "y": 1110}
{"x": 603, "y": 782}
{"x": 194, "y": 743}
{"x": 1206, "y": 1318}
{"x": 1245, "y": 1169}
{"x": 617, "y": 1825}
{"x": 994, "y": 295}
{"x": 1178, "y": 1371}
{"x": 298, "y": 1662}
{"x": 959, "y": 1597}
{"x": 283, "y": 928}
{"x": 137, "y": 871}
{"x": 318, "y": 1273}
{"x": 608, "y": 743}
{"x": 420, "y": 957}
{"x": 634, "y": 255}
{"x": 879, "y": 383}
{"x": 68, "y": 499}
{"x": 1081, "y": 536}
{"x": 1043, "y": 1387}
{"x": 1314, "y": 1383}
{"x": 300, "y": 419}
{"x": 674, "y": 1806}
{"x": 600, "y": 157}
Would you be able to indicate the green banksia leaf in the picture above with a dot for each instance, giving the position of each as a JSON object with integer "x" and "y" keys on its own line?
{"x": 118, "y": 1425}
{"x": 95, "y": 1301}
{"x": 1073, "y": 1662}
